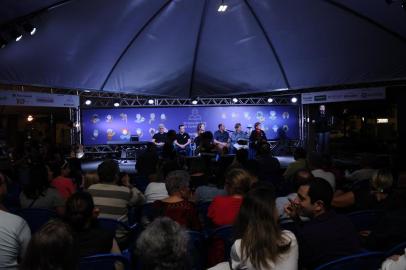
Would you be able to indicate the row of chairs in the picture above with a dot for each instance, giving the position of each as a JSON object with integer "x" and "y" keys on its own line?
{"x": 368, "y": 260}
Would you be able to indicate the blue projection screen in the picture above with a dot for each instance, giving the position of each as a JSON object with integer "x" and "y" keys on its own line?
{"x": 99, "y": 126}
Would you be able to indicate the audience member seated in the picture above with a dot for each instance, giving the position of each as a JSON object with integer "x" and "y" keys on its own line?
{"x": 14, "y": 234}
{"x": 82, "y": 218}
{"x": 89, "y": 179}
{"x": 260, "y": 242}
{"x": 379, "y": 196}
{"x": 52, "y": 247}
{"x": 38, "y": 193}
{"x": 207, "y": 192}
{"x": 365, "y": 173}
{"x": 316, "y": 165}
{"x": 61, "y": 181}
{"x": 240, "y": 159}
{"x": 177, "y": 206}
{"x": 327, "y": 236}
{"x": 163, "y": 245}
{"x": 300, "y": 163}
{"x": 301, "y": 177}
{"x": 269, "y": 166}
{"x": 147, "y": 161}
{"x": 110, "y": 198}
{"x": 395, "y": 262}
{"x": 156, "y": 189}
{"x": 224, "y": 209}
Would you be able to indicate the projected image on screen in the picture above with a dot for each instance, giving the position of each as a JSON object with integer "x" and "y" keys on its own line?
{"x": 101, "y": 126}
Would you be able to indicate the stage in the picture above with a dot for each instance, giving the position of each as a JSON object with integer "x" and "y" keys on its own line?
{"x": 128, "y": 166}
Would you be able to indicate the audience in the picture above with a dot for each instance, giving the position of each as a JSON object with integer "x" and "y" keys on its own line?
{"x": 269, "y": 166}
{"x": 82, "y": 218}
{"x": 379, "y": 195}
{"x": 317, "y": 166}
{"x": 51, "y": 248}
{"x": 327, "y": 235}
{"x": 61, "y": 181}
{"x": 300, "y": 163}
{"x": 261, "y": 244}
{"x": 395, "y": 262}
{"x": 163, "y": 245}
{"x": 176, "y": 206}
{"x": 224, "y": 209}
{"x": 110, "y": 198}
{"x": 38, "y": 193}
{"x": 14, "y": 234}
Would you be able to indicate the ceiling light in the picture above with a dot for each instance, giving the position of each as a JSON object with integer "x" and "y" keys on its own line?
{"x": 270, "y": 100}
{"x": 17, "y": 35}
{"x": 88, "y": 102}
{"x": 116, "y": 104}
{"x": 222, "y": 8}
{"x": 294, "y": 99}
{"x": 30, "y": 29}
{"x": 30, "y": 118}
{"x": 150, "y": 101}
{"x": 194, "y": 102}
{"x": 3, "y": 43}
{"x": 235, "y": 100}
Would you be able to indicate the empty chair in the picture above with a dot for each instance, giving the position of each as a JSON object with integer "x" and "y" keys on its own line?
{"x": 103, "y": 262}
{"x": 366, "y": 260}
{"x": 366, "y": 219}
{"x": 36, "y": 217}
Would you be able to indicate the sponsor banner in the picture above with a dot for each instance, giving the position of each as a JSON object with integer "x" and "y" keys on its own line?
{"x": 343, "y": 95}
{"x": 17, "y": 98}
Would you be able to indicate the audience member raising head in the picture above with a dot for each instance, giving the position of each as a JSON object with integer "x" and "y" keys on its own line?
{"x": 81, "y": 216}
{"x": 261, "y": 243}
{"x": 51, "y": 248}
{"x": 163, "y": 246}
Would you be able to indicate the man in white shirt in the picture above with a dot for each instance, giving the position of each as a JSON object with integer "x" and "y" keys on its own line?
{"x": 14, "y": 234}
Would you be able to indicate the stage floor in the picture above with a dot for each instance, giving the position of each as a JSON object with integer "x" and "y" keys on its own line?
{"x": 128, "y": 166}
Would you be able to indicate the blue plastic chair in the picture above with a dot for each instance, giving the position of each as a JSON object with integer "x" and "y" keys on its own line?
{"x": 366, "y": 219}
{"x": 112, "y": 225}
{"x": 36, "y": 217}
{"x": 224, "y": 233}
{"x": 103, "y": 262}
{"x": 398, "y": 249}
{"x": 197, "y": 250}
{"x": 362, "y": 261}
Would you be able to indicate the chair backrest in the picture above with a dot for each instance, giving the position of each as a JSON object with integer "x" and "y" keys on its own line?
{"x": 224, "y": 233}
{"x": 104, "y": 262}
{"x": 365, "y": 220}
{"x": 398, "y": 249}
{"x": 36, "y": 217}
{"x": 197, "y": 249}
{"x": 365, "y": 260}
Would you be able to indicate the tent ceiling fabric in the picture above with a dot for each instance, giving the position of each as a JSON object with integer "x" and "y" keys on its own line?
{"x": 185, "y": 48}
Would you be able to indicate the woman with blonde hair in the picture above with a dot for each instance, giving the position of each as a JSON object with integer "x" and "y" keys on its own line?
{"x": 224, "y": 209}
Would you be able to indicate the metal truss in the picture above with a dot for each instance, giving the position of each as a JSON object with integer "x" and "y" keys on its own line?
{"x": 127, "y": 101}
{"x": 103, "y": 99}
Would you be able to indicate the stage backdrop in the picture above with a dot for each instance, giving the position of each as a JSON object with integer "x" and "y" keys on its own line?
{"x": 99, "y": 126}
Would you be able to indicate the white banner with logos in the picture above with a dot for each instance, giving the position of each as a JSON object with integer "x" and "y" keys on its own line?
{"x": 18, "y": 98}
{"x": 343, "y": 95}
